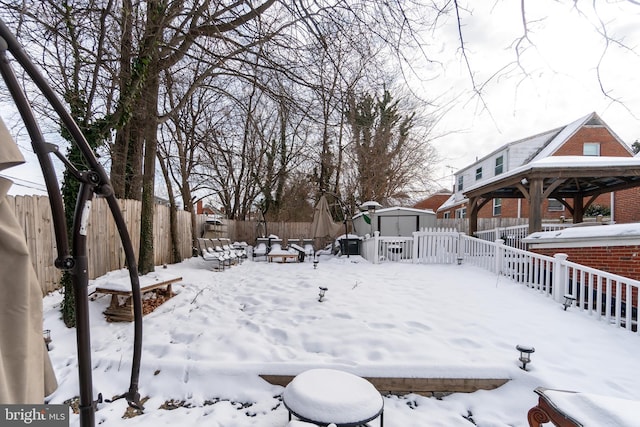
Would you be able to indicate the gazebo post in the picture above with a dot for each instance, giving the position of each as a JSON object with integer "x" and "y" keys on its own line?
{"x": 578, "y": 208}
{"x": 535, "y": 205}
{"x": 473, "y": 215}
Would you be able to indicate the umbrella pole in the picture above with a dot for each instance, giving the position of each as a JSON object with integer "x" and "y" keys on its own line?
{"x": 80, "y": 280}
{"x": 94, "y": 181}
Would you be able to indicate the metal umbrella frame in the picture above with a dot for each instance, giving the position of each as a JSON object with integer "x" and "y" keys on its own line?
{"x": 93, "y": 181}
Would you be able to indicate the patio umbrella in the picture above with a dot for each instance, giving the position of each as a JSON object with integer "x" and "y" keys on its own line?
{"x": 323, "y": 228}
{"x": 26, "y": 374}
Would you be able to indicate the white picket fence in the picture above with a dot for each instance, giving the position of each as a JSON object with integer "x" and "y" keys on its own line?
{"x": 609, "y": 297}
{"x": 513, "y": 235}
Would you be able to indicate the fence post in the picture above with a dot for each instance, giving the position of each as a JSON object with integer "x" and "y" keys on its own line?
{"x": 376, "y": 244}
{"x": 559, "y": 276}
{"x": 499, "y": 256}
{"x": 460, "y": 255}
{"x": 414, "y": 249}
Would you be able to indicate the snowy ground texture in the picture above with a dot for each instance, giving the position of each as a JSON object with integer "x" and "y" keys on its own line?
{"x": 205, "y": 347}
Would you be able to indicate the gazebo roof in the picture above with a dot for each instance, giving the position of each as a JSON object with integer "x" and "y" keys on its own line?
{"x": 563, "y": 177}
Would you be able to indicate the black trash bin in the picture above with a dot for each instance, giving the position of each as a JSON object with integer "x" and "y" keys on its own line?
{"x": 350, "y": 246}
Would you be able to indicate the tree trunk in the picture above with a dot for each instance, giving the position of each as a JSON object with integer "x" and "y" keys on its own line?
{"x": 173, "y": 212}
{"x": 146, "y": 263}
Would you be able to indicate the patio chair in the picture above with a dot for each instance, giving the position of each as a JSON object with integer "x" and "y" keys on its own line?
{"x": 208, "y": 253}
{"x": 275, "y": 244}
{"x": 262, "y": 248}
{"x": 233, "y": 254}
{"x": 228, "y": 256}
{"x": 241, "y": 249}
{"x": 299, "y": 249}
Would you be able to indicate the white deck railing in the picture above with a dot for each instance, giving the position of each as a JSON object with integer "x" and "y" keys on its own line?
{"x": 513, "y": 235}
{"x": 610, "y": 297}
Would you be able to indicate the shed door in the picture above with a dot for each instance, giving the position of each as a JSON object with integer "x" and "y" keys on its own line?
{"x": 398, "y": 225}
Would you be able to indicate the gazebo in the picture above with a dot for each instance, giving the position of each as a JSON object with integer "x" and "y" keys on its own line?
{"x": 577, "y": 178}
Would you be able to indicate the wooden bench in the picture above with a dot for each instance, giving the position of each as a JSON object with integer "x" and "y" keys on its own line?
{"x": 283, "y": 257}
{"x": 159, "y": 285}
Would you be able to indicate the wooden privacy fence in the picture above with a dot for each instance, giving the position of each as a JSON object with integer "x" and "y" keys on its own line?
{"x": 249, "y": 231}
{"x": 104, "y": 248}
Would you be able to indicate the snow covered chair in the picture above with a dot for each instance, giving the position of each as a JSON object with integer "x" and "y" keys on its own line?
{"x": 275, "y": 244}
{"x": 299, "y": 249}
{"x": 227, "y": 254}
{"x": 208, "y": 253}
{"x": 241, "y": 249}
{"x": 233, "y": 254}
{"x": 261, "y": 249}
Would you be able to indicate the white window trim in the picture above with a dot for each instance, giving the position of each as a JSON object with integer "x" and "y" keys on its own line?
{"x": 495, "y": 167}
{"x": 497, "y": 205}
{"x": 479, "y": 177}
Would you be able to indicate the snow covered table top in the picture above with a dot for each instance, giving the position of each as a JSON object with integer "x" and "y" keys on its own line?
{"x": 325, "y": 396}
{"x": 567, "y": 408}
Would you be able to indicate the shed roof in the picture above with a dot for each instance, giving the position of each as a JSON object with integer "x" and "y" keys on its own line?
{"x": 397, "y": 209}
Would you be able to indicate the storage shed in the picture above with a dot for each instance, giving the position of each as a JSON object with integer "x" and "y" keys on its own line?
{"x": 394, "y": 221}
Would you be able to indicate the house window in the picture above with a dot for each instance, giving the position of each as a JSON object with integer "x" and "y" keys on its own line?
{"x": 460, "y": 182}
{"x": 591, "y": 149}
{"x": 499, "y": 164}
{"x": 447, "y": 215}
{"x": 497, "y": 207}
{"x": 555, "y": 205}
{"x": 461, "y": 213}
{"x": 478, "y": 174}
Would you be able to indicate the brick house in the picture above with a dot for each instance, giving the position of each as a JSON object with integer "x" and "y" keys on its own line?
{"x": 434, "y": 201}
{"x": 587, "y": 136}
{"x": 612, "y": 248}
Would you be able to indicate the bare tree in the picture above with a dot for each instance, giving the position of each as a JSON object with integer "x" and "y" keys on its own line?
{"x": 387, "y": 157}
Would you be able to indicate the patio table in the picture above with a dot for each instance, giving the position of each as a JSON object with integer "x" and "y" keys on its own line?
{"x": 325, "y": 396}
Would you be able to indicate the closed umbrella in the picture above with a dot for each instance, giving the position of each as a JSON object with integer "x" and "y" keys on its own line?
{"x": 323, "y": 227}
{"x": 26, "y": 374}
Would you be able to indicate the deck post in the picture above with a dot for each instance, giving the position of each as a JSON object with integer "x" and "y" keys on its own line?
{"x": 560, "y": 277}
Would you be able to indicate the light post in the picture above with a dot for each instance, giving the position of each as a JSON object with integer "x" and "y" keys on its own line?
{"x": 525, "y": 354}
{"x": 370, "y": 207}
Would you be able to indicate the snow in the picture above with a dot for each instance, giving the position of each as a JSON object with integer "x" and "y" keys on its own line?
{"x": 562, "y": 137}
{"x": 596, "y": 410}
{"x": 569, "y": 162}
{"x": 204, "y": 349}
{"x": 119, "y": 280}
{"x": 595, "y": 231}
{"x": 332, "y": 396}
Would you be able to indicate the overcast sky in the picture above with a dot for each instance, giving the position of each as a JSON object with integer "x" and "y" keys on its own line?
{"x": 558, "y": 82}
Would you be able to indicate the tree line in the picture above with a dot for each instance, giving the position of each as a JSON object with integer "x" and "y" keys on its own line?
{"x": 249, "y": 105}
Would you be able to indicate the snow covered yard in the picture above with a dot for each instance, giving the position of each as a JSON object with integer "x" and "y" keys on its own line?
{"x": 204, "y": 348}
